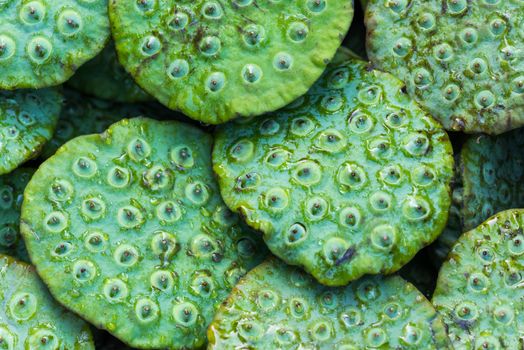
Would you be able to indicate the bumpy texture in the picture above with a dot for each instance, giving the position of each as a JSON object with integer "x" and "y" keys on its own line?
{"x": 351, "y": 179}
{"x": 489, "y": 178}
{"x": 463, "y": 60}
{"x": 103, "y": 77}
{"x": 217, "y": 60}
{"x": 128, "y": 230}
{"x": 82, "y": 115}
{"x": 479, "y": 289}
{"x": 30, "y": 318}
{"x": 276, "y": 306}
{"x": 43, "y": 42}
{"x": 12, "y": 188}
{"x": 492, "y": 171}
{"x": 27, "y": 121}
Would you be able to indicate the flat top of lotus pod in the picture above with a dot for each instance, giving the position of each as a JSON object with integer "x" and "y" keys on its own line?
{"x": 31, "y": 318}
{"x": 27, "y": 121}
{"x": 43, "y": 42}
{"x": 277, "y": 306}
{"x": 352, "y": 179}
{"x": 463, "y": 60}
{"x": 12, "y": 188}
{"x": 103, "y": 77}
{"x": 479, "y": 289}
{"x": 492, "y": 172}
{"x": 128, "y": 230}
{"x": 82, "y": 115}
{"x": 217, "y": 60}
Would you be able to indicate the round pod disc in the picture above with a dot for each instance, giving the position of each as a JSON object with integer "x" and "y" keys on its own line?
{"x": 27, "y": 121}
{"x": 479, "y": 288}
{"x": 492, "y": 173}
{"x": 31, "y": 318}
{"x": 103, "y": 77}
{"x": 351, "y": 179}
{"x": 217, "y": 60}
{"x": 12, "y": 188}
{"x": 128, "y": 230}
{"x": 460, "y": 59}
{"x": 275, "y": 306}
{"x": 43, "y": 42}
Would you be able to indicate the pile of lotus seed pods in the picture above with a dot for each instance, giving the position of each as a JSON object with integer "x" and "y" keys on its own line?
{"x": 261, "y": 174}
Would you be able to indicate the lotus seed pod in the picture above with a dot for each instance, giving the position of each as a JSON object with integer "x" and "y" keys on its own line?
{"x": 103, "y": 77}
{"x": 352, "y": 179}
{"x": 31, "y": 318}
{"x": 462, "y": 60}
{"x": 43, "y": 42}
{"x": 215, "y": 61}
{"x": 128, "y": 230}
{"x": 492, "y": 176}
{"x": 27, "y": 121}
{"x": 82, "y": 115}
{"x": 11, "y": 195}
{"x": 479, "y": 289}
{"x": 276, "y": 306}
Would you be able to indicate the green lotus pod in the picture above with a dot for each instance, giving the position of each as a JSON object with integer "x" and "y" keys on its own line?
{"x": 276, "y": 306}
{"x": 490, "y": 179}
{"x": 30, "y": 318}
{"x": 492, "y": 172}
{"x": 82, "y": 115}
{"x": 215, "y": 61}
{"x": 479, "y": 286}
{"x": 128, "y": 230}
{"x": 351, "y": 179}
{"x": 27, "y": 121}
{"x": 43, "y": 42}
{"x": 103, "y": 77}
{"x": 462, "y": 60}
{"x": 11, "y": 195}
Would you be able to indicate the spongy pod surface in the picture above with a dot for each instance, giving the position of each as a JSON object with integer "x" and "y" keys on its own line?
{"x": 492, "y": 171}
{"x": 479, "y": 289}
{"x": 276, "y": 306}
{"x": 127, "y": 228}
{"x": 216, "y": 60}
{"x": 31, "y": 318}
{"x": 351, "y": 179}
{"x": 43, "y": 42}
{"x": 103, "y": 77}
{"x": 462, "y": 60}
{"x": 12, "y": 188}
{"x": 28, "y": 119}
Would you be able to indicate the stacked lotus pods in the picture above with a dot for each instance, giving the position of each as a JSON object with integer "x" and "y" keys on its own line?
{"x": 230, "y": 175}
